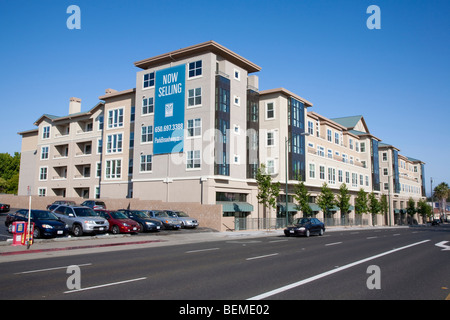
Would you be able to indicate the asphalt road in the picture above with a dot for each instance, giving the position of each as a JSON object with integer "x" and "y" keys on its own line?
{"x": 410, "y": 263}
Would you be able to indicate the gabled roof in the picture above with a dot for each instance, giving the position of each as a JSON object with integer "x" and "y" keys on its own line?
{"x": 54, "y": 118}
{"x": 351, "y": 122}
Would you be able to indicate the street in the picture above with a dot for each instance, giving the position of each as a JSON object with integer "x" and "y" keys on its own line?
{"x": 385, "y": 263}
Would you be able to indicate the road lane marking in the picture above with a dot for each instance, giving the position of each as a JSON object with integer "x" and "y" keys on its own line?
{"x": 50, "y": 269}
{"x": 202, "y": 250}
{"x": 332, "y": 244}
{"x": 273, "y": 241}
{"x": 371, "y": 238}
{"x": 327, "y": 273}
{"x": 260, "y": 257}
{"x": 105, "y": 285}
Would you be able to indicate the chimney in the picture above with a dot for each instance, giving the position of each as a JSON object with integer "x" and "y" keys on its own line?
{"x": 74, "y": 105}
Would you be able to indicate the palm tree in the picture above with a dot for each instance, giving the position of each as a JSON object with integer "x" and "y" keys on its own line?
{"x": 442, "y": 192}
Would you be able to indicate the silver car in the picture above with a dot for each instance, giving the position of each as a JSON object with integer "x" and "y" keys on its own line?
{"x": 186, "y": 221}
{"x": 167, "y": 221}
{"x": 81, "y": 220}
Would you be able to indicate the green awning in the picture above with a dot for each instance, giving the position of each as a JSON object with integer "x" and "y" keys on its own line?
{"x": 235, "y": 206}
{"x": 314, "y": 207}
{"x": 292, "y": 207}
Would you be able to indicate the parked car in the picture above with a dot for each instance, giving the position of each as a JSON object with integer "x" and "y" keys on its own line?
{"x": 60, "y": 202}
{"x": 46, "y": 223}
{"x": 4, "y": 207}
{"x": 305, "y": 227}
{"x": 145, "y": 222}
{"x": 167, "y": 221}
{"x": 81, "y": 220}
{"x": 94, "y": 204}
{"x": 186, "y": 221}
{"x": 119, "y": 222}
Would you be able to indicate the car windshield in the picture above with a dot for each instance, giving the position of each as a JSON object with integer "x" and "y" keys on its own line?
{"x": 118, "y": 215}
{"x": 140, "y": 214}
{"x": 302, "y": 221}
{"x": 84, "y": 212}
{"x": 171, "y": 214}
{"x": 99, "y": 203}
{"x": 43, "y": 215}
{"x": 182, "y": 214}
{"x": 161, "y": 214}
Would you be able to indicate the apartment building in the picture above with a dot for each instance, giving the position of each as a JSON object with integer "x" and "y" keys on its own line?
{"x": 195, "y": 129}
{"x": 60, "y": 156}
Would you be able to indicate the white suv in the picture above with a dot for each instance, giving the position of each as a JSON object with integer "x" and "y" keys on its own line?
{"x": 81, "y": 220}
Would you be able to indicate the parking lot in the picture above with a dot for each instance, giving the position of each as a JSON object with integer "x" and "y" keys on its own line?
{"x": 5, "y": 235}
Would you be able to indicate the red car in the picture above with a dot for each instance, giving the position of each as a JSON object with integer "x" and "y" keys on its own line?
{"x": 119, "y": 222}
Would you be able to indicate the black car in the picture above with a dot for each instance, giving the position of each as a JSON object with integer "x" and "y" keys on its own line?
{"x": 46, "y": 223}
{"x": 305, "y": 227}
{"x": 146, "y": 223}
{"x": 4, "y": 207}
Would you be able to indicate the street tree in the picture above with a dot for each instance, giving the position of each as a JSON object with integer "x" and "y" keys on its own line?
{"x": 374, "y": 206}
{"x": 326, "y": 200}
{"x": 301, "y": 195}
{"x": 268, "y": 191}
{"x": 343, "y": 199}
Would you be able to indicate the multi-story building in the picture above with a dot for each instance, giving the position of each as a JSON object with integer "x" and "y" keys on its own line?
{"x": 195, "y": 129}
{"x": 60, "y": 156}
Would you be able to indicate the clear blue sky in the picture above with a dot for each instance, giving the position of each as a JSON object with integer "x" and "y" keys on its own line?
{"x": 397, "y": 77}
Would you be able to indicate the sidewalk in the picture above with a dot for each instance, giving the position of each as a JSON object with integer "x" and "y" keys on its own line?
{"x": 104, "y": 243}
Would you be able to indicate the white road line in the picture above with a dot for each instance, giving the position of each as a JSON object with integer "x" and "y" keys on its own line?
{"x": 259, "y": 257}
{"x": 105, "y": 285}
{"x": 371, "y": 237}
{"x": 332, "y": 244}
{"x": 322, "y": 275}
{"x": 50, "y": 269}
{"x": 201, "y": 250}
{"x": 273, "y": 241}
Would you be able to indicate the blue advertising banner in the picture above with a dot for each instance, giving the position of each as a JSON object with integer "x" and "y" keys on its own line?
{"x": 169, "y": 110}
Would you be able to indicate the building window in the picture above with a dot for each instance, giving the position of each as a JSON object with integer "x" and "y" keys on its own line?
{"x": 113, "y": 169}
{"x": 270, "y": 110}
{"x": 46, "y": 132}
{"x": 193, "y": 159}
{"x": 311, "y": 128}
{"x": 270, "y": 138}
{"x": 195, "y": 97}
{"x": 329, "y": 135}
{"x": 384, "y": 156}
{"x": 98, "y": 170}
{"x": 115, "y": 118}
{"x": 340, "y": 177}
{"x": 42, "y": 192}
{"x": 237, "y": 74}
{"x": 146, "y": 134}
{"x": 149, "y": 80}
{"x": 114, "y": 143}
{"x": 132, "y": 114}
{"x": 337, "y": 138}
{"x": 147, "y": 106}
{"x": 195, "y": 69}
{"x": 131, "y": 140}
{"x": 270, "y": 166}
{"x": 363, "y": 147}
{"x": 385, "y": 172}
{"x": 146, "y": 163}
{"x": 99, "y": 146}
{"x": 43, "y": 173}
{"x": 354, "y": 179}
{"x": 321, "y": 151}
{"x": 321, "y": 172}
{"x": 331, "y": 175}
{"x": 44, "y": 153}
{"x": 350, "y": 142}
{"x": 347, "y": 177}
{"x": 194, "y": 127}
{"x": 312, "y": 170}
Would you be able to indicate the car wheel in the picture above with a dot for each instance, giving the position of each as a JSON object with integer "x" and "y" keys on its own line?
{"x": 307, "y": 233}
{"x": 321, "y": 232}
{"x": 115, "y": 230}
{"x": 141, "y": 227}
{"x": 77, "y": 230}
{"x": 36, "y": 233}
